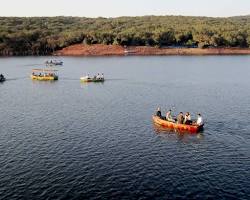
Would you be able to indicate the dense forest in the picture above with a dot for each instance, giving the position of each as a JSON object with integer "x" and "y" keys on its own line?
{"x": 44, "y": 35}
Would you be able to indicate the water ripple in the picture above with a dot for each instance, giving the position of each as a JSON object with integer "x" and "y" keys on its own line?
{"x": 67, "y": 140}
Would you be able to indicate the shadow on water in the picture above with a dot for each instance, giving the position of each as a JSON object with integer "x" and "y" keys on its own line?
{"x": 69, "y": 79}
{"x": 34, "y": 64}
{"x": 16, "y": 79}
{"x": 115, "y": 79}
{"x": 43, "y": 82}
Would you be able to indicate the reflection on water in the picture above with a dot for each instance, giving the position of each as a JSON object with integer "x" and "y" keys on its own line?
{"x": 43, "y": 82}
{"x": 15, "y": 79}
{"x": 180, "y": 135}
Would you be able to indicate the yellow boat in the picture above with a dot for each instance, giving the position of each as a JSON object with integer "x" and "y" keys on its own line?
{"x": 44, "y": 74}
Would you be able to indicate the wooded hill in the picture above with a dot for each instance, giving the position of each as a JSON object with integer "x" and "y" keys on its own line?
{"x": 44, "y": 35}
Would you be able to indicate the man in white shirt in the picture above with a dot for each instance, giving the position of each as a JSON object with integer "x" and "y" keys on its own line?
{"x": 199, "y": 120}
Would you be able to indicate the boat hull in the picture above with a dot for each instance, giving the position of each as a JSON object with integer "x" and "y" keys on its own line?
{"x": 54, "y": 63}
{"x": 175, "y": 126}
{"x": 2, "y": 80}
{"x": 92, "y": 80}
{"x": 44, "y": 78}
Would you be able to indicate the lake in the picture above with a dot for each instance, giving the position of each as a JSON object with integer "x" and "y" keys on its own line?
{"x": 71, "y": 140}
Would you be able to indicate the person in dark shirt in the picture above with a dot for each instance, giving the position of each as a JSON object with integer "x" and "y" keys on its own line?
{"x": 158, "y": 113}
{"x": 2, "y": 77}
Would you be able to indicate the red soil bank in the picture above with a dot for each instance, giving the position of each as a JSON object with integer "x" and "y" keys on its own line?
{"x": 109, "y": 50}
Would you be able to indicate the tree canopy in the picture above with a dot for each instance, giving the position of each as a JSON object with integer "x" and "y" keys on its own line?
{"x": 44, "y": 35}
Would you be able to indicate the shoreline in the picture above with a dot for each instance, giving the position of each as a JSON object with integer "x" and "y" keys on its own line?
{"x": 117, "y": 50}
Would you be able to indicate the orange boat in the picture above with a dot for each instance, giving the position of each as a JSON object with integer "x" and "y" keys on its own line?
{"x": 171, "y": 125}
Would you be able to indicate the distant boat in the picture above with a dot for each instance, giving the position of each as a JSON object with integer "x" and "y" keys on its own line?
{"x": 44, "y": 75}
{"x": 89, "y": 79}
{"x": 53, "y": 62}
{"x": 127, "y": 51}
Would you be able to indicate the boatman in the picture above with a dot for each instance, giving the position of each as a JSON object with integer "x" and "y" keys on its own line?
{"x": 199, "y": 120}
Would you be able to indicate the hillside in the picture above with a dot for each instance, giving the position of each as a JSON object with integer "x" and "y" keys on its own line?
{"x": 45, "y": 35}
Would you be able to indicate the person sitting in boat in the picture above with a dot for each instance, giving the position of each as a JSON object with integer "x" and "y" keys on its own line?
{"x": 98, "y": 76}
{"x": 158, "y": 113}
{"x": 1, "y": 76}
{"x": 199, "y": 120}
{"x": 169, "y": 116}
{"x": 87, "y": 77}
{"x": 180, "y": 118}
{"x": 102, "y": 76}
{"x": 187, "y": 119}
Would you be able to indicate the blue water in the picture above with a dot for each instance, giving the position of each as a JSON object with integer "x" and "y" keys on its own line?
{"x": 70, "y": 140}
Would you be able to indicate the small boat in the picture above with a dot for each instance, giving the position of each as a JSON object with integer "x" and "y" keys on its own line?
{"x": 53, "y": 62}
{"x": 87, "y": 79}
{"x": 181, "y": 127}
{"x": 44, "y": 75}
{"x": 2, "y": 78}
